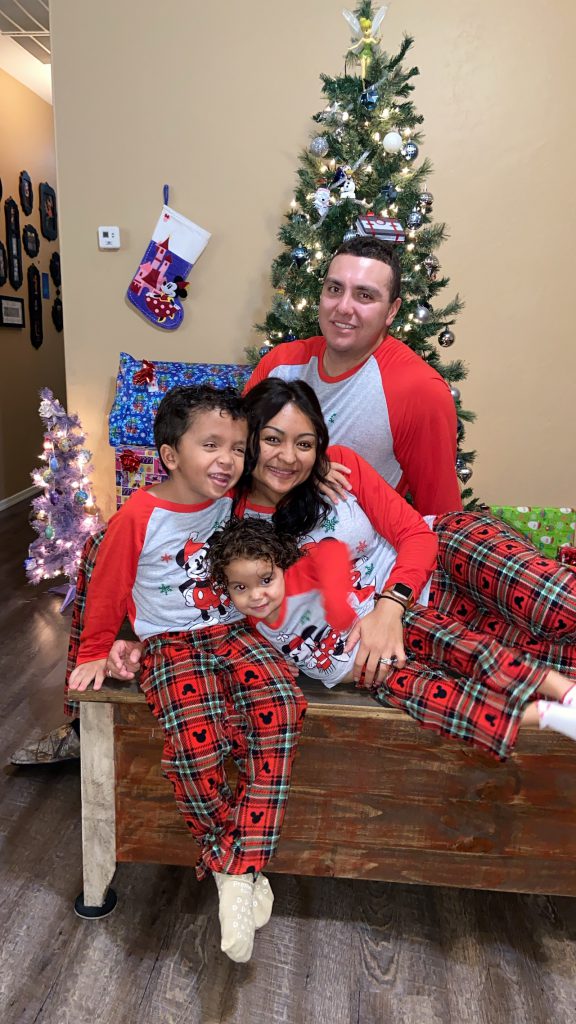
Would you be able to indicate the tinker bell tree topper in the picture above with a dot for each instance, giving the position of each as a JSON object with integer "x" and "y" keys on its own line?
{"x": 366, "y": 32}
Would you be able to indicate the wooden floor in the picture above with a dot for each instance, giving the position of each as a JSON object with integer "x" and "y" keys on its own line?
{"x": 335, "y": 952}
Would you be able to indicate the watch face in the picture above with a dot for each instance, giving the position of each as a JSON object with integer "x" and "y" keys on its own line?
{"x": 403, "y": 591}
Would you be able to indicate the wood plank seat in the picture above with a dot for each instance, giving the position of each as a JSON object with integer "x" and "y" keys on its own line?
{"x": 373, "y": 796}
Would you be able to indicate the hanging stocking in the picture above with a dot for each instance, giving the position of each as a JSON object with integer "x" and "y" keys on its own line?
{"x": 161, "y": 279}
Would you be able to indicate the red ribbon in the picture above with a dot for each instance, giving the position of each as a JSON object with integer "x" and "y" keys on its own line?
{"x": 130, "y": 461}
{"x": 145, "y": 375}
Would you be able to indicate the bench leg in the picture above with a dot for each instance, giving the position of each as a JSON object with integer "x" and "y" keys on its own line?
{"x": 98, "y": 810}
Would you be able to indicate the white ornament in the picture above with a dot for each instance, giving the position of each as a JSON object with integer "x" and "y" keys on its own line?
{"x": 348, "y": 187}
{"x": 392, "y": 142}
{"x": 322, "y": 200}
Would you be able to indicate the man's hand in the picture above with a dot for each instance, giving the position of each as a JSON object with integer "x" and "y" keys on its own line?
{"x": 123, "y": 661}
{"x": 336, "y": 482}
{"x": 381, "y": 636}
{"x": 83, "y": 675}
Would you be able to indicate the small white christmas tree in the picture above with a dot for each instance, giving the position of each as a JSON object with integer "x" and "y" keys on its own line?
{"x": 65, "y": 514}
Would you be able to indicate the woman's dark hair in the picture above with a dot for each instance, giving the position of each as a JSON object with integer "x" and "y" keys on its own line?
{"x": 304, "y": 507}
{"x": 255, "y": 539}
{"x": 180, "y": 405}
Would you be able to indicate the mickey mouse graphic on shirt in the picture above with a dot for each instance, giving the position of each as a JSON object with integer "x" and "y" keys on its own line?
{"x": 213, "y": 605}
{"x": 314, "y": 647}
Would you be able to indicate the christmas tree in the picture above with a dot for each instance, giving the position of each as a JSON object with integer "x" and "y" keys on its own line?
{"x": 362, "y": 174}
{"x": 65, "y": 514}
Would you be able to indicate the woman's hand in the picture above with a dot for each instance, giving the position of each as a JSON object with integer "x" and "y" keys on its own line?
{"x": 336, "y": 482}
{"x": 83, "y": 675}
{"x": 123, "y": 661}
{"x": 381, "y": 636}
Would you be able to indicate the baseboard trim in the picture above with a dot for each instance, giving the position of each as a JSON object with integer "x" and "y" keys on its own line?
{"x": 29, "y": 492}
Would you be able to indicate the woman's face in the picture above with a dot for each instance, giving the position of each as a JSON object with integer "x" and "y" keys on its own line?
{"x": 288, "y": 446}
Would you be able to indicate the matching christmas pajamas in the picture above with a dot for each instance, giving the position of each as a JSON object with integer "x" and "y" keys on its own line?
{"x": 216, "y": 689}
{"x": 217, "y": 693}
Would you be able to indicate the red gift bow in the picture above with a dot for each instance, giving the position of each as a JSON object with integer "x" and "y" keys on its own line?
{"x": 130, "y": 461}
{"x": 145, "y": 375}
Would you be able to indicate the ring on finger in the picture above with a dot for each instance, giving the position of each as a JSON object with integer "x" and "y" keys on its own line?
{"x": 386, "y": 661}
{"x": 109, "y": 673}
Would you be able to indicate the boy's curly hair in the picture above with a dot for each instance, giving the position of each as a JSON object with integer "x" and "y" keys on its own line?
{"x": 256, "y": 539}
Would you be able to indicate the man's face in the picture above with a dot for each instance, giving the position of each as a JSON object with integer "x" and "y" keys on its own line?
{"x": 355, "y": 309}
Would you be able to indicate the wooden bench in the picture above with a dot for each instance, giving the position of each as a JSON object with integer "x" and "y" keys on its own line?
{"x": 373, "y": 796}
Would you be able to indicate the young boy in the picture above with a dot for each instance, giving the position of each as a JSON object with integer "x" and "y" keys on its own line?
{"x": 216, "y": 690}
{"x": 304, "y": 602}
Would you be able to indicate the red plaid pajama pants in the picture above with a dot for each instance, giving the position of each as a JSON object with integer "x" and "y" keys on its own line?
{"x": 500, "y": 615}
{"x": 219, "y": 693}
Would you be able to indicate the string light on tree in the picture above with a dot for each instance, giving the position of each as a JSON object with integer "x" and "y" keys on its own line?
{"x": 364, "y": 171}
{"x": 65, "y": 513}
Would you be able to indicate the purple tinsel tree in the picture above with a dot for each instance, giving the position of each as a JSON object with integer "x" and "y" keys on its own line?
{"x": 65, "y": 513}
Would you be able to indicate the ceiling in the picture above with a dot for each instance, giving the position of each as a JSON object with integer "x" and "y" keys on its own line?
{"x": 27, "y": 23}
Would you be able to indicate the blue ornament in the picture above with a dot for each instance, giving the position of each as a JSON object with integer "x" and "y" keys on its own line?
{"x": 81, "y": 497}
{"x": 339, "y": 177}
{"x": 389, "y": 193}
{"x": 415, "y": 218}
{"x": 54, "y": 498}
{"x": 289, "y": 336}
{"x": 409, "y": 150}
{"x": 264, "y": 350}
{"x": 369, "y": 98}
{"x": 299, "y": 255}
{"x": 298, "y": 218}
{"x": 54, "y": 464}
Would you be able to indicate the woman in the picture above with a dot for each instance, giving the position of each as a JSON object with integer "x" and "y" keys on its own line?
{"x": 487, "y": 578}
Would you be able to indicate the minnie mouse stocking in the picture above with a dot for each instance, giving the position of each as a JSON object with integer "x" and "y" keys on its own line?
{"x": 161, "y": 279}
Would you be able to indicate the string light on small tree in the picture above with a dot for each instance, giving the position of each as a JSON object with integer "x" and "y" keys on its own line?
{"x": 65, "y": 513}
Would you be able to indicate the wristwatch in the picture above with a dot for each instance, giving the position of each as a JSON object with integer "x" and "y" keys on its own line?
{"x": 399, "y": 592}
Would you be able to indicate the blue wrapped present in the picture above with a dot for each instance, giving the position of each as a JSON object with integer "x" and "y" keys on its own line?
{"x": 141, "y": 384}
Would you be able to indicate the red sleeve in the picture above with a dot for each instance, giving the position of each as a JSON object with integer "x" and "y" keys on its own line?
{"x": 413, "y": 540}
{"x": 290, "y": 353}
{"x": 424, "y": 433}
{"x": 109, "y": 596}
{"x": 326, "y": 567}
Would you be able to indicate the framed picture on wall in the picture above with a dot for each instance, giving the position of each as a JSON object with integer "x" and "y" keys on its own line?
{"x": 30, "y": 240}
{"x": 11, "y": 311}
{"x": 26, "y": 193}
{"x": 48, "y": 214}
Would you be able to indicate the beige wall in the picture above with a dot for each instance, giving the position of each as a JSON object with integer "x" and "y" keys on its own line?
{"x": 27, "y": 134}
{"x": 218, "y": 103}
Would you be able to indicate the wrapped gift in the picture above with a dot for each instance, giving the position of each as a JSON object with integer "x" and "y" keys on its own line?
{"x": 380, "y": 227}
{"x": 547, "y": 528}
{"x": 567, "y": 555}
{"x": 141, "y": 384}
{"x": 136, "y": 467}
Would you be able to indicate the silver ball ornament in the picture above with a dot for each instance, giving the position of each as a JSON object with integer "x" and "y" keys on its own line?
{"x": 299, "y": 255}
{"x": 464, "y": 474}
{"x": 432, "y": 266}
{"x": 348, "y": 235}
{"x": 423, "y": 312}
{"x": 392, "y": 142}
{"x": 319, "y": 146}
{"x": 415, "y": 218}
{"x": 426, "y": 199}
{"x": 455, "y": 392}
{"x": 410, "y": 150}
{"x": 446, "y": 338}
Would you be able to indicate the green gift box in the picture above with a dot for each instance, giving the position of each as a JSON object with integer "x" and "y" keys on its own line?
{"x": 547, "y": 528}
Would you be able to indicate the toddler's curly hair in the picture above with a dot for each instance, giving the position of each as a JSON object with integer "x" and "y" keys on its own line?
{"x": 255, "y": 539}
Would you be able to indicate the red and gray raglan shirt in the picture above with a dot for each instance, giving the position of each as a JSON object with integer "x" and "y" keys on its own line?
{"x": 386, "y": 541}
{"x": 151, "y": 567}
{"x": 393, "y": 409}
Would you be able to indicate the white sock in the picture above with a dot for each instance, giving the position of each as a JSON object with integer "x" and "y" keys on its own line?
{"x": 569, "y": 698}
{"x": 262, "y": 901}
{"x": 553, "y": 715}
{"x": 235, "y": 894}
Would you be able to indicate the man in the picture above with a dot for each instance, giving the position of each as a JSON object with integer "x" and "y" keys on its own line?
{"x": 377, "y": 395}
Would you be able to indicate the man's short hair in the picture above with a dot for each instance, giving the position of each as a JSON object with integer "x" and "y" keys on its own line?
{"x": 181, "y": 405}
{"x": 374, "y": 249}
